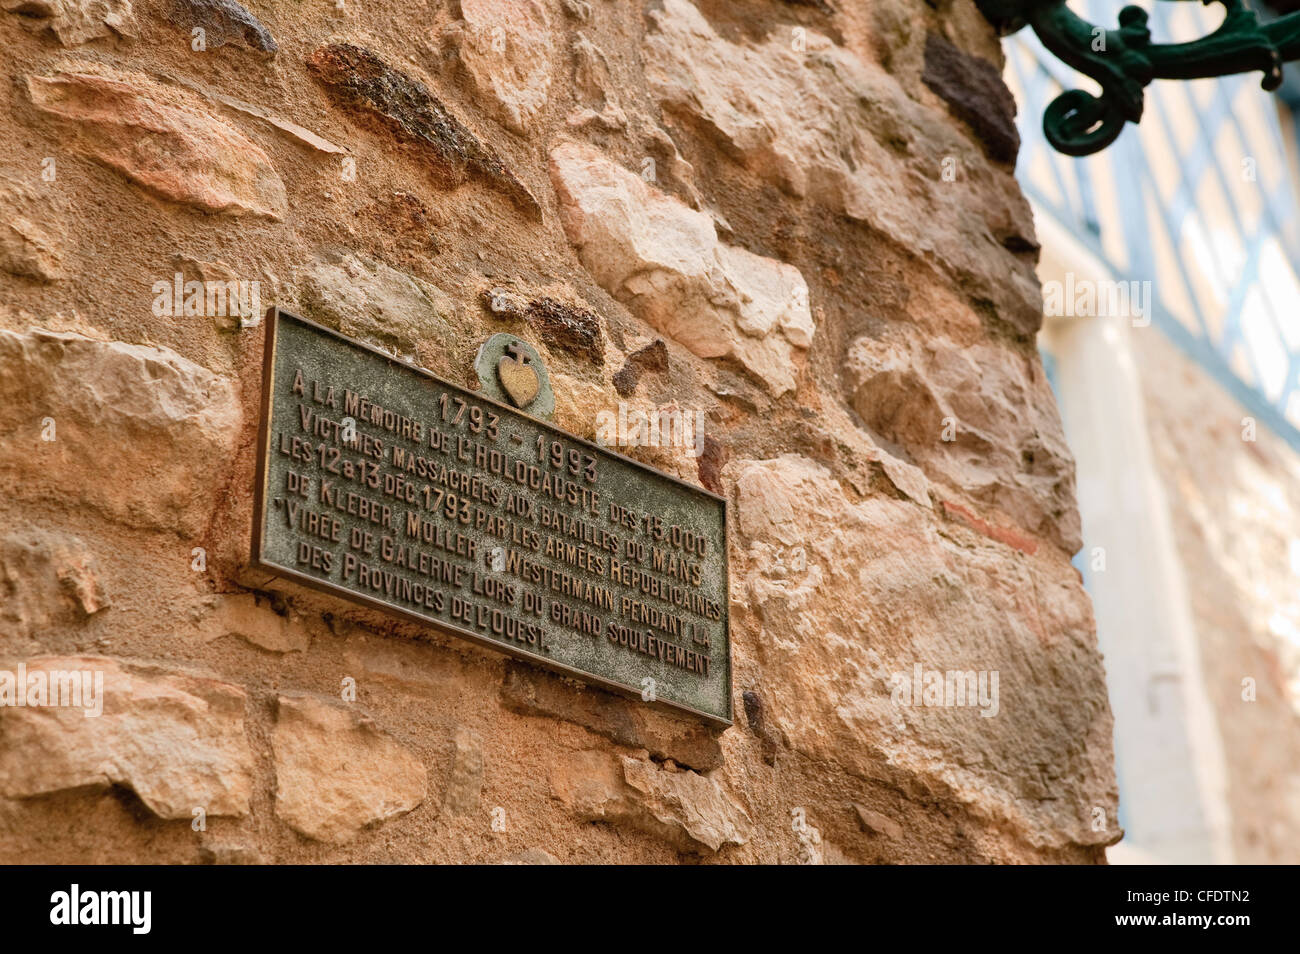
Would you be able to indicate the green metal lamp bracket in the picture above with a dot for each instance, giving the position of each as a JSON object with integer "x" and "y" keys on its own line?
{"x": 1125, "y": 60}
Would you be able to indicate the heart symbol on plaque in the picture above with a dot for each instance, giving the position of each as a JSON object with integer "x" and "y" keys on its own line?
{"x": 518, "y": 376}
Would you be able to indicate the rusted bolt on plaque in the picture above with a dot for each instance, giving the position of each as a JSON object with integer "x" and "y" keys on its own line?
{"x": 387, "y": 486}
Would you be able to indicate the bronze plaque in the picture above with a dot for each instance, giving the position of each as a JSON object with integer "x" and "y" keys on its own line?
{"x": 385, "y": 485}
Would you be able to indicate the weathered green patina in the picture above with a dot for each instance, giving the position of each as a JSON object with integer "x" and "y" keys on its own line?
{"x": 1124, "y": 61}
{"x": 383, "y": 484}
{"x": 487, "y": 364}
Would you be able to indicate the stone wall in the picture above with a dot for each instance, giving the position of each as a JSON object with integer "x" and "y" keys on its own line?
{"x": 796, "y": 217}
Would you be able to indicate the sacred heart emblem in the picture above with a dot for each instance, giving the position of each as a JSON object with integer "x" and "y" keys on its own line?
{"x": 518, "y": 376}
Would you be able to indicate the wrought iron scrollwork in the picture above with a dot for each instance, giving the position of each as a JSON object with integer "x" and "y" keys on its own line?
{"x": 1124, "y": 61}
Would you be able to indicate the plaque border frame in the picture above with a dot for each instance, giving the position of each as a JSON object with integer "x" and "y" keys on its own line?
{"x": 273, "y": 315}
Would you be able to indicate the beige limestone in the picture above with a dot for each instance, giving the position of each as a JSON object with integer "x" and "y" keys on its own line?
{"x": 77, "y": 21}
{"x": 506, "y": 49}
{"x": 688, "y": 809}
{"x": 465, "y": 783}
{"x": 252, "y": 618}
{"x": 158, "y": 423}
{"x": 380, "y": 305}
{"x": 979, "y": 417}
{"x": 176, "y": 740}
{"x": 337, "y": 772}
{"x": 29, "y": 239}
{"x": 922, "y": 595}
{"x": 825, "y": 125}
{"x": 665, "y": 261}
{"x": 162, "y": 139}
{"x": 47, "y": 577}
